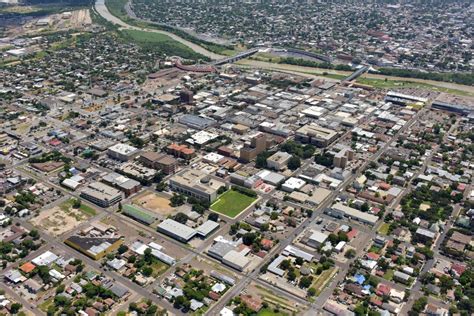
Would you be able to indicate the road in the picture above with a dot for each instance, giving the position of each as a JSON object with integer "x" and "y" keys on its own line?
{"x": 416, "y": 292}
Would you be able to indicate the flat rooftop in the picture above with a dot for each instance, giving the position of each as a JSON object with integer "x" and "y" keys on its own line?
{"x": 101, "y": 191}
{"x": 314, "y": 130}
{"x": 198, "y": 180}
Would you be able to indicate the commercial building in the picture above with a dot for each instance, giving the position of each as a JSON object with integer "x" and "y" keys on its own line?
{"x": 342, "y": 157}
{"x": 292, "y": 184}
{"x": 180, "y": 151}
{"x": 316, "y": 135}
{"x": 207, "y": 228}
{"x": 196, "y": 122}
{"x": 197, "y": 184}
{"x": 94, "y": 247}
{"x": 124, "y": 184}
{"x": 340, "y": 210}
{"x": 176, "y": 230}
{"x": 257, "y": 145}
{"x": 166, "y": 163}
{"x": 122, "y": 152}
{"x": 137, "y": 171}
{"x": 278, "y": 160}
{"x": 316, "y": 239}
{"x": 101, "y": 194}
{"x": 139, "y": 214}
{"x": 236, "y": 260}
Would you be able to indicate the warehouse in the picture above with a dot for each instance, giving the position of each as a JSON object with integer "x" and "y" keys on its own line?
{"x": 341, "y": 209}
{"x": 176, "y": 230}
{"x": 139, "y": 214}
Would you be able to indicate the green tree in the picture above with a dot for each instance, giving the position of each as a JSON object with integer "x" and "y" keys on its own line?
{"x": 15, "y": 308}
{"x": 147, "y": 271}
{"x": 305, "y": 281}
{"x": 294, "y": 163}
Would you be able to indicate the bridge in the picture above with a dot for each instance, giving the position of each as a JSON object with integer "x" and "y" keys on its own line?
{"x": 321, "y": 57}
{"x": 356, "y": 74}
{"x": 233, "y": 59}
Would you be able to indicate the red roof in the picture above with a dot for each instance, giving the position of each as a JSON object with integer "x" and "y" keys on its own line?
{"x": 372, "y": 256}
{"x": 383, "y": 289}
{"x": 214, "y": 296}
{"x": 458, "y": 268}
{"x": 55, "y": 142}
{"x": 376, "y": 301}
{"x": 254, "y": 304}
{"x": 266, "y": 243}
{"x": 27, "y": 267}
{"x": 352, "y": 233}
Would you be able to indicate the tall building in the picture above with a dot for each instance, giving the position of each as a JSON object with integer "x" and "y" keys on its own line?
{"x": 257, "y": 145}
{"x": 342, "y": 157}
{"x": 316, "y": 135}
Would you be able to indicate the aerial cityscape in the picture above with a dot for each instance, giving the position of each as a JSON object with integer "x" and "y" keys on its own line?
{"x": 226, "y": 158}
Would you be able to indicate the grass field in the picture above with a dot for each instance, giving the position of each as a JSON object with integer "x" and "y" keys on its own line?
{"x": 232, "y": 203}
{"x": 389, "y": 275}
{"x": 117, "y": 8}
{"x": 269, "y": 312}
{"x": 46, "y": 304}
{"x": 322, "y": 280}
{"x": 383, "y": 230}
{"x": 159, "y": 268}
{"x": 89, "y": 211}
{"x": 160, "y": 43}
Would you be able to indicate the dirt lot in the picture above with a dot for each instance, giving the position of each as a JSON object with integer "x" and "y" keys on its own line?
{"x": 80, "y": 18}
{"x": 56, "y": 221}
{"x": 155, "y": 203}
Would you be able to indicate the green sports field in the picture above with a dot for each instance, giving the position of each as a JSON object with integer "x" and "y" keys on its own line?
{"x": 232, "y": 203}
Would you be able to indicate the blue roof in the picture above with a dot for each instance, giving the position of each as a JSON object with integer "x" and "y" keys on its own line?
{"x": 359, "y": 278}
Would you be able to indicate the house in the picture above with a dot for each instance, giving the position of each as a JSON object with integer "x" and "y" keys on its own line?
{"x": 32, "y": 286}
{"x": 251, "y": 302}
{"x": 401, "y": 277}
{"x": 27, "y": 267}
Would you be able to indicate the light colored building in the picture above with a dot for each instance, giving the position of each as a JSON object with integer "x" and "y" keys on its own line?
{"x": 316, "y": 239}
{"x": 122, "y": 152}
{"x": 341, "y": 210}
{"x": 101, "y": 194}
{"x": 128, "y": 186}
{"x": 176, "y": 230}
{"x": 236, "y": 260}
{"x": 278, "y": 160}
{"x": 316, "y": 135}
{"x": 197, "y": 184}
{"x": 293, "y": 184}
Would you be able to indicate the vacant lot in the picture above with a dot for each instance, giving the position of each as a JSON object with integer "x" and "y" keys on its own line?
{"x": 154, "y": 203}
{"x": 63, "y": 218}
{"x": 322, "y": 280}
{"x": 232, "y": 203}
